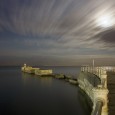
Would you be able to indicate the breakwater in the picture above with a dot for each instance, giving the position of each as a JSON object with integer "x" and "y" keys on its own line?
{"x": 48, "y": 73}
{"x": 36, "y": 71}
{"x": 99, "y": 85}
{"x": 93, "y": 81}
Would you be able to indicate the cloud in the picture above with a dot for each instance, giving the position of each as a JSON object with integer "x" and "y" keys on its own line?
{"x": 55, "y": 28}
{"x": 108, "y": 36}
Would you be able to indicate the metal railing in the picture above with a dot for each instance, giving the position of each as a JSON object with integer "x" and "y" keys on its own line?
{"x": 95, "y": 70}
{"x": 98, "y": 69}
{"x": 100, "y": 72}
{"x": 109, "y": 68}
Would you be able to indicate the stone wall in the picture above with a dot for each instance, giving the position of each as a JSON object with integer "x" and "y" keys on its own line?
{"x": 92, "y": 85}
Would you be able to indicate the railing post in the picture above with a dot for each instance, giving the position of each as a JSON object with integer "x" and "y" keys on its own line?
{"x": 99, "y": 71}
{"x": 104, "y": 79}
{"x": 91, "y": 69}
{"x": 81, "y": 68}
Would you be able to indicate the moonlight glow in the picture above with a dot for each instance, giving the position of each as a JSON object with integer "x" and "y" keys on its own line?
{"x": 105, "y": 21}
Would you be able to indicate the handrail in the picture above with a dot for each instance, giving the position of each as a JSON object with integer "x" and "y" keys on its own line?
{"x": 102, "y": 68}
{"x": 95, "y": 70}
{"x": 98, "y": 108}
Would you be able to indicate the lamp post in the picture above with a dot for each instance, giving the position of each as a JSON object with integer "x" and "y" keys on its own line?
{"x": 93, "y": 63}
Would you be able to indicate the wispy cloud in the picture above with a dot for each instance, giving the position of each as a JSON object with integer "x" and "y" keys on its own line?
{"x": 56, "y": 27}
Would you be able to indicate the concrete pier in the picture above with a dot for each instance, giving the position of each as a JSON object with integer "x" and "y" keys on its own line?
{"x": 93, "y": 80}
{"x": 36, "y": 71}
{"x": 48, "y": 73}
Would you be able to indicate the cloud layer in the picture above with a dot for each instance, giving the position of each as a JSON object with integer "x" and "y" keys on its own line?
{"x": 56, "y": 28}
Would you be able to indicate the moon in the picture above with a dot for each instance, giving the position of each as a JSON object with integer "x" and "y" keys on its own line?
{"x": 105, "y": 21}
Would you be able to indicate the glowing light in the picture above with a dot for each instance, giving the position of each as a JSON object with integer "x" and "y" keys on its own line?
{"x": 105, "y": 21}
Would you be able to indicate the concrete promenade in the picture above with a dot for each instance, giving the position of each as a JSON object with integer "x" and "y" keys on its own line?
{"x": 105, "y": 89}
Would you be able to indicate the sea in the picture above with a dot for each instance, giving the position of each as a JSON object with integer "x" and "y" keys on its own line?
{"x": 29, "y": 94}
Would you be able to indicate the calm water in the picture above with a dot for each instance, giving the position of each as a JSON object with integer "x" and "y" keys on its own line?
{"x": 25, "y": 94}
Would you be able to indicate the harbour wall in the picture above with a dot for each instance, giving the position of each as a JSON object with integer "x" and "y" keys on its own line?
{"x": 96, "y": 88}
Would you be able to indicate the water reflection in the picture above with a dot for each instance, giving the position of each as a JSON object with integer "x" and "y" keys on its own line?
{"x": 85, "y": 101}
{"x": 56, "y": 93}
{"x": 45, "y": 80}
{"x": 27, "y": 94}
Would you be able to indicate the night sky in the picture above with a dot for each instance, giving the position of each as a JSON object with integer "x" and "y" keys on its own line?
{"x": 57, "y": 32}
